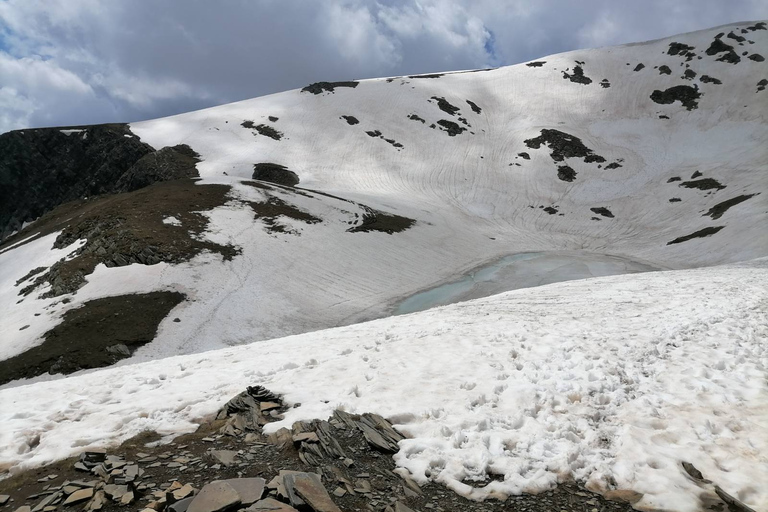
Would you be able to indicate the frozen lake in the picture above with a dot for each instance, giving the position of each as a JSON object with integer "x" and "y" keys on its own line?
{"x": 523, "y": 270}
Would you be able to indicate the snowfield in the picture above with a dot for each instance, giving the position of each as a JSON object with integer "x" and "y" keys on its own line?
{"x": 611, "y": 380}
{"x": 616, "y": 379}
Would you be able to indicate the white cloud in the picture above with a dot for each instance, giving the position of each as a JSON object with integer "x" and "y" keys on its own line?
{"x": 82, "y": 61}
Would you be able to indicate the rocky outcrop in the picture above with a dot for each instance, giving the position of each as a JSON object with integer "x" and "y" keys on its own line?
{"x": 45, "y": 167}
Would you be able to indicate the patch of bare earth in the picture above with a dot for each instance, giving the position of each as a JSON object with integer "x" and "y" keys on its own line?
{"x": 98, "y": 333}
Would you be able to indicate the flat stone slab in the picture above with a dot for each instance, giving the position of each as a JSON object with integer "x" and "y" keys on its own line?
{"x": 215, "y": 497}
{"x": 79, "y": 496}
{"x": 270, "y": 505}
{"x": 313, "y": 493}
{"x": 250, "y": 490}
{"x": 226, "y": 457}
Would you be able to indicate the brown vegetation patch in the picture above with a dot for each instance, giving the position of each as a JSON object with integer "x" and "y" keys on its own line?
{"x": 128, "y": 228}
{"x": 97, "y": 334}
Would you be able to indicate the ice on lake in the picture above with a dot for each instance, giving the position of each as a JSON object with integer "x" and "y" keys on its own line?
{"x": 523, "y": 270}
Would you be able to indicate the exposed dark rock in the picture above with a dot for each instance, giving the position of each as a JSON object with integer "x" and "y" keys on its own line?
{"x": 373, "y": 133}
{"x": 536, "y": 64}
{"x": 433, "y": 75}
{"x": 474, "y": 107}
{"x": 351, "y": 120}
{"x": 578, "y": 76}
{"x": 685, "y": 94}
{"x": 663, "y": 117}
{"x": 698, "y": 234}
{"x": 737, "y": 38}
{"x": 719, "y": 209}
{"x": 709, "y": 80}
{"x": 688, "y": 74}
{"x": 445, "y": 106}
{"x": 756, "y": 57}
{"x": 169, "y": 163}
{"x": 375, "y": 220}
{"x": 639, "y": 67}
{"x": 613, "y": 165}
{"x": 524, "y": 155}
{"x": 268, "y": 131}
{"x": 563, "y": 145}
{"x": 602, "y": 210}
{"x": 565, "y": 173}
{"x": 664, "y": 70}
{"x": 682, "y": 50}
{"x": 761, "y": 85}
{"x": 675, "y": 200}
{"x": 757, "y": 26}
{"x": 43, "y": 168}
{"x": 452, "y": 128}
{"x": 718, "y": 46}
{"x": 414, "y": 117}
{"x": 275, "y": 173}
{"x": 550, "y": 210}
{"x": 273, "y": 119}
{"x": 319, "y": 87}
{"x": 673, "y": 179}
{"x": 82, "y": 338}
{"x": 703, "y": 184}
{"x": 604, "y": 83}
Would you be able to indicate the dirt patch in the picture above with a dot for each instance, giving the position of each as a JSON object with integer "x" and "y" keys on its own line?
{"x": 351, "y": 120}
{"x": 698, "y": 234}
{"x": 97, "y": 334}
{"x": 563, "y": 145}
{"x": 452, "y": 128}
{"x": 719, "y": 209}
{"x": 577, "y": 76}
{"x": 128, "y": 228}
{"x": 445, "y": 106}
{"x": 320, "y": 87}
{"x": 375, "y": 220}
{"x": 685, "y": 94}
{"x": 703, "y": 184}
{"x": 269, "y": 212}
{"x": 275, "y": 173}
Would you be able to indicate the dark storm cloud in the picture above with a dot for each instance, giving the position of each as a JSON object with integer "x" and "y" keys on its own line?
{"x": 86, "y": 61}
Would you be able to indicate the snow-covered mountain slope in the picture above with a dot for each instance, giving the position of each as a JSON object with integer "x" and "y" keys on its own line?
{"x": 614, "y": 381}
{"x": 653, "y": 152}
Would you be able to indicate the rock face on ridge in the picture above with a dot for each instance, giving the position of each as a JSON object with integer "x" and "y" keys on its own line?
{"x": 45, "y": 167}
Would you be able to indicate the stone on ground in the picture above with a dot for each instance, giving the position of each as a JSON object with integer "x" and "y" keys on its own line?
{"x": 215, "y": 497}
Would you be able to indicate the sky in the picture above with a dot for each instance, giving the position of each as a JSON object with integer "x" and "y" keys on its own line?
{"x": 68, "y": 62}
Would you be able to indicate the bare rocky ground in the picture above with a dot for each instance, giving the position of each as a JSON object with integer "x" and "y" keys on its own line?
{"x": 343, "y": 464}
